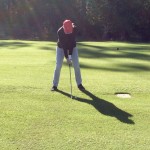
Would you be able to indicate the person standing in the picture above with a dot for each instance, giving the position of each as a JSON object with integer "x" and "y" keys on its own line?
{"x": 66, "y": 47}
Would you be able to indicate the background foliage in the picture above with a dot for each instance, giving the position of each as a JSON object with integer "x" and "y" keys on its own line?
{"x": 96, "y": 19}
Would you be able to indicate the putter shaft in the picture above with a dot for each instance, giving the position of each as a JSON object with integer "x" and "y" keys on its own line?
{"x": 70, "y": 81}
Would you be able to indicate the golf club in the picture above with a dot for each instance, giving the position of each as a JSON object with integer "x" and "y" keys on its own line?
{"x": 70, "y": 81}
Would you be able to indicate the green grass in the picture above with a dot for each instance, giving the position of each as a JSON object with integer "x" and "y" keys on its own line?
{"x": 34, "y": 118}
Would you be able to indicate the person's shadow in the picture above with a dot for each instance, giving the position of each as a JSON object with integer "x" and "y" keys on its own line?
{"x": 104, "y": 107}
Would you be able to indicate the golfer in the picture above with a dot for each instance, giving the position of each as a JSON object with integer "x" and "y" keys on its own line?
{"x": 66, "y": 47}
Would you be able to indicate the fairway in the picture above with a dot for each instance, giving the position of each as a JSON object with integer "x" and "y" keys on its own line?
{"x": 34, "y": 118}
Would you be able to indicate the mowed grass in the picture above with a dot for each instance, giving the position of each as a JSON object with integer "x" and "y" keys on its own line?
{"x": 34, "y": 118}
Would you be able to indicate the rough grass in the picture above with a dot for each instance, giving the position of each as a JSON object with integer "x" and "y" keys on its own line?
{"x": 32, "y": 117}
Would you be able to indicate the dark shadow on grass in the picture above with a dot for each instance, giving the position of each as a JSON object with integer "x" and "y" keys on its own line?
{"x": 104, "y": 107}
{"x": 133, "y": 52}
{"x": 16, "y": 44}
{"x": 119, "y": 68}
{"x": 137, "y": 52}
{"x": 13, "y": 45}
{"x": 108, "y": 53}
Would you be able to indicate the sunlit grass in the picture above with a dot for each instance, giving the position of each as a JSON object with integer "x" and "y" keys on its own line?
{"x": 33, "y": 117}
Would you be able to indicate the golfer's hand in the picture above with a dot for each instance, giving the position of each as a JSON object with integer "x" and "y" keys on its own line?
{"x": 73, "y": 25}
{"x": 69, "y": 61}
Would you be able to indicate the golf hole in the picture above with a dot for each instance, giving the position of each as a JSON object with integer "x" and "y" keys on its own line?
{"x": 123, "y": 95}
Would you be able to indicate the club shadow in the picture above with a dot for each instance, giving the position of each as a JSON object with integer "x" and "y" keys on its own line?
{"x": 104, "y": 107}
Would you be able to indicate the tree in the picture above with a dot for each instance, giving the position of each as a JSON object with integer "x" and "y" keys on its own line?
{"x": 96, "y": 19}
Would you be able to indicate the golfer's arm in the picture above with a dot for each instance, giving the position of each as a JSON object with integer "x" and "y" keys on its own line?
{"x": 70, "y": 51}
{"x": 65, "y": 53}
{"x": 61, "y": 40}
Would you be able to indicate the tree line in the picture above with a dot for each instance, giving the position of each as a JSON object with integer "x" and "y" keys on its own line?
{"x": 96, "y": 19}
